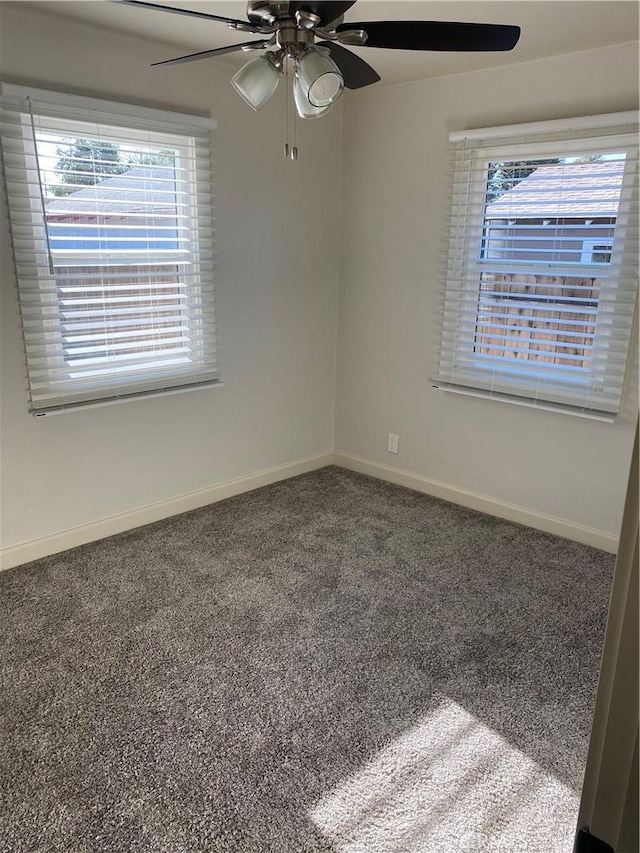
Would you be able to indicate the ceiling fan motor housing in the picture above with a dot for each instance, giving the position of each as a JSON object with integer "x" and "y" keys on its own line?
{"x": 265, "y": 14}
{"x": 293, "y": 40}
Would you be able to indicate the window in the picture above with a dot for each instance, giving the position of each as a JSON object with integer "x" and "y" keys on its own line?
{"x": 596, "y": 251}
{"x": 541, "y": 275}
{"x": 111, "y": 220}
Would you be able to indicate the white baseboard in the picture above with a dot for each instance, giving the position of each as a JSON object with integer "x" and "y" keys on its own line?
{"x": 37, "y": 548}
{"x": 74, "y": 536}
{"x": 511, "y": 512}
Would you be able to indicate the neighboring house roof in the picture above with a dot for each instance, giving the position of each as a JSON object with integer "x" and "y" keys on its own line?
{"x": 121, "y": 193}
{"x": 571, "y": 189}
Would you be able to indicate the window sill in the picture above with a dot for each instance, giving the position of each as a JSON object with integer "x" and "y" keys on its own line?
{"x": 125, "y": 398}
{"x": 523, "y": 401}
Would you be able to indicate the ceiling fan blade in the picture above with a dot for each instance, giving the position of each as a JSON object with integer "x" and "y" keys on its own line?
{"x": 326, "y": 10}
{"x": 218, "y": 51}
{"x": 355, "y": 71}
{"x": 191, "y": 13}
{"x": 436, "y": 35}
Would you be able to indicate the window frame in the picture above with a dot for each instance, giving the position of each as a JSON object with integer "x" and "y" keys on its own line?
{"x": 72, "y": 116}
{"x": 475, "y": 373}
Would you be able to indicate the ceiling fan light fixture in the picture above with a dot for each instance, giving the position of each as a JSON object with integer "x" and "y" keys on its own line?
{"x": 304, "y": 108}
{"x": 319, "y": 77}
{"x": 256, "y": 81}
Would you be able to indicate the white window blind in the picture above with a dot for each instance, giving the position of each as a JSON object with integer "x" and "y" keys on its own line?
{"x": 542, "y": 263}
{"x": 111, "y": 217}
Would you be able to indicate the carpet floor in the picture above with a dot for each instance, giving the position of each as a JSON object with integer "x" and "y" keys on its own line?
{"x": 331, "y": 664}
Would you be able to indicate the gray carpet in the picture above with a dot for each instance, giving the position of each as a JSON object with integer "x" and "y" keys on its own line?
{"x": 330, "y": 663}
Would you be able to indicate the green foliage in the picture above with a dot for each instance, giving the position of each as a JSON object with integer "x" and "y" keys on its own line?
{"x": 85, "y": 162}
{"x": 159, "y": 157}
{"x": 588, "y": 158}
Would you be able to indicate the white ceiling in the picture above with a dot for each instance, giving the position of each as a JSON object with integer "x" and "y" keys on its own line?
{"x": 549, "y": 28}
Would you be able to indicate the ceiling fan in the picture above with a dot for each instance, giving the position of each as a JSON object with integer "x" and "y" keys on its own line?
{"x": 323, "y": 68}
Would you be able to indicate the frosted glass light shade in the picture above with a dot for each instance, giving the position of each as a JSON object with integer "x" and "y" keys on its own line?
{"x": 256, "y": 82}
{"x": 304, "y": 108}
{"x": 320, "y": 78}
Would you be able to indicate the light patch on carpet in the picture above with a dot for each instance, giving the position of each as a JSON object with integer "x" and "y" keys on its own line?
{"x": 449, "y": 785}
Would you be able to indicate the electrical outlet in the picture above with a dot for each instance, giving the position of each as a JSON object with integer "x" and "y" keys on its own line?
{"x": 392, "y": 443}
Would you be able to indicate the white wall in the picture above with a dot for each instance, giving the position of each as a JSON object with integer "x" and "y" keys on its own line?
{"x": 277, "y": 274}
{"x": 394, "y": 204}
{"x": 276, "y": 297}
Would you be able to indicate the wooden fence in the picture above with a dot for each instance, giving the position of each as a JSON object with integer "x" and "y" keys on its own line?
{"x": 537, "y": 318}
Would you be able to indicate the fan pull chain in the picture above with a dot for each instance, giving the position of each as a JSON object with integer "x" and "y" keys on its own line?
{"x": 290, "y": 147}
{"x": 294, "y": 148}
{"x": 286, "y": 107}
